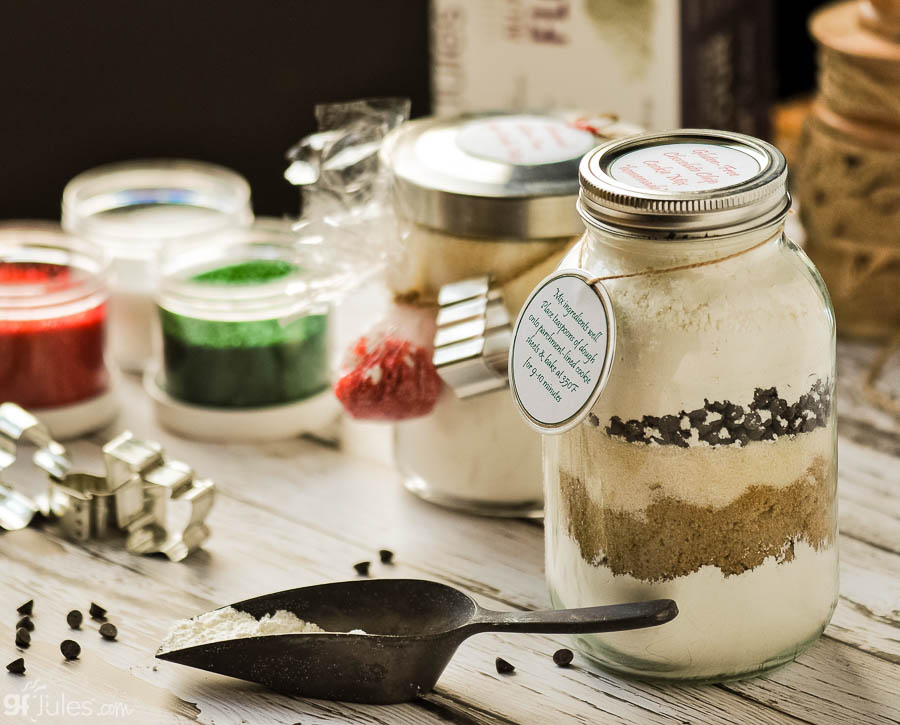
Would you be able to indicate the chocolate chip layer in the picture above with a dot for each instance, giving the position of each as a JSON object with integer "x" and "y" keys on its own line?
{"x": 723, "y": 423}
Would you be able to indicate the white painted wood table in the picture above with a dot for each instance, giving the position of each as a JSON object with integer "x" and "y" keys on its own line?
{"x": 298, "y": 513}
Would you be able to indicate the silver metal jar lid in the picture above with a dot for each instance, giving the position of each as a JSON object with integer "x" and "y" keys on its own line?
{"x": 510, "y": 175}
{"x": 683, "y": 184}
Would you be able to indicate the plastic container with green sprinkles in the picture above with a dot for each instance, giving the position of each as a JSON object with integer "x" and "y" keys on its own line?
{"x": 242, "y": 344}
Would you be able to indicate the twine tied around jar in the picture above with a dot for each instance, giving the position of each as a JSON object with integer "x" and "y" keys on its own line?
{"x": 870, "y": 382}
{"x": 847, "y": 160}
{"x": 679, "y": 268}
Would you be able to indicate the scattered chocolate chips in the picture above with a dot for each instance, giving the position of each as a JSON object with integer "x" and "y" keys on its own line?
{"x": 362, "y": 568}
{"x": 26, "y": 608}
{"x": 23, "y": 638}
{"x": 17, "y": 667}
{"x": 75, "y": 618}
{"x": 96, "y": 611}
{"x": 108, "y": 630}
{"x": 70, "y": 649}
{"x": 25, "y": 623}
{"x": 504, "y": 667}
{"x": 563, "y": 657}
{"x": 386, "y": 555}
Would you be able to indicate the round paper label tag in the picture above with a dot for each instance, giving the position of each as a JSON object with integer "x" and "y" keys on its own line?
{"x": 684, "y": 167}
{"x": 562, "y": 350}
{"x": 524, "y": 140}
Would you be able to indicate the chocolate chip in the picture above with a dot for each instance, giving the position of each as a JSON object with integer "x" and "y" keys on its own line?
{"x": 17, "y": 667}
{"x": 26, "y": 608}
{"x": 697, "y": 416}
{"x": 362, "y": 568}
{"x": 593, "y": 420}
{"x": 669, "y": 424}
{"x": 616, "y": 427}
{"x": 634, "y": 431}
{"x": 108, "y": 630}
{"x": 762, "y": 397}
{"x": 563, "y": 657}
{"x": 23, "y": 638}
{"x": 75, "y": 618}
{"x": 70, "y": 649}
{"x": 96, "y": 611}
{"x": 386, "y": 556}
{"x": 504, "y": 667}
{"x": 753, "y": 425}
{"x": 25, "y": 623}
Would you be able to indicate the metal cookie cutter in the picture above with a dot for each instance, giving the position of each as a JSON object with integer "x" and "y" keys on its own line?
{"x": 84, "y": 505}
{"x": 145, "y": 482}
{"x": 471, "y": 345}
{"x": 18, "y": 425}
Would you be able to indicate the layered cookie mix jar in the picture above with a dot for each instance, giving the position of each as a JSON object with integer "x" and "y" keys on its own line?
{"x": 706, "y": 470}
{"x": 486, "y": 205}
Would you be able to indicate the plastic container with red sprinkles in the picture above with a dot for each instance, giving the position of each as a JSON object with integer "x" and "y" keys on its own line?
{"x": 53, "y": 328}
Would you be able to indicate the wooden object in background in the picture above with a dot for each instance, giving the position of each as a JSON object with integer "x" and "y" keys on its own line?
{"x": 848, "y": 164}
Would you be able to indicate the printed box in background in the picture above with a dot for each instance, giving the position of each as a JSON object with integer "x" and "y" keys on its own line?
{"x": 658, "y": 63}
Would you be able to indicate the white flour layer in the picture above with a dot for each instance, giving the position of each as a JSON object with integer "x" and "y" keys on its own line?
{"x": 713, "y": 332}
{"x": 630, "y": 477}
{"x": 230, "y": 623}
{"x": 725, "y": 625}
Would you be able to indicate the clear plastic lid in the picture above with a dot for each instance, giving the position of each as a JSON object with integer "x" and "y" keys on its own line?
{"x": 45, "y": 273}
{"x": 133, "y": 208}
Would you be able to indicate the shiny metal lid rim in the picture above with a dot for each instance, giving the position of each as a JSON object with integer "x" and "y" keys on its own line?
{"x": 667, "y": 234}
{"x": 606, "y": 198}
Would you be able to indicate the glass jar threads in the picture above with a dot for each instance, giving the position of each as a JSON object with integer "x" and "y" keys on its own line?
{"x": 487, "y": 196}
{"x": 53, "y": 328}
{"x": 706, "y": 470}
{"x": 243, "y": 344}
{"x": 131, "y": 210}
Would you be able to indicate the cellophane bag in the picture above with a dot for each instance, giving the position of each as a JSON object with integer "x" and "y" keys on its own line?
{"x": 387, "y": 373}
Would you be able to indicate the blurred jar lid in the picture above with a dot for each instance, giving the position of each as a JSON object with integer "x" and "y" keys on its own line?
{"x": 507, "y": 175}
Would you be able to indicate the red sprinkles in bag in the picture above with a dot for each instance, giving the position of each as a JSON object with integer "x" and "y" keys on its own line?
{"x": 392, "y": 380}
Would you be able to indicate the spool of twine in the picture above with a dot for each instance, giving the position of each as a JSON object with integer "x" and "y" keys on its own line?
{"x": 847, "y": 172}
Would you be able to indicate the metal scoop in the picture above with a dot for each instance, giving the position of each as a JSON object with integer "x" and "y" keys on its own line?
{"x": 412, "y": 627}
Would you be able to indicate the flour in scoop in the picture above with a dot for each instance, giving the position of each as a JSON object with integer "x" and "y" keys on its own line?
{"x": 231, "y": 623}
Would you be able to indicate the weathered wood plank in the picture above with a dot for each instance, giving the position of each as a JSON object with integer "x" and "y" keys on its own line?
{"x": 293, "y": 513}
{"x": 859, "y": 420}
{"x": 830, "y": 684}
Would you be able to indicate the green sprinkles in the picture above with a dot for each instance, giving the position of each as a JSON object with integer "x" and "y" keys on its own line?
{"x": 254, "y": 272}
{"x": 248, "y": 363}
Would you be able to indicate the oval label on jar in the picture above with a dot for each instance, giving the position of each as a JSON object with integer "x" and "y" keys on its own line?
{"x": 562, "y": 350}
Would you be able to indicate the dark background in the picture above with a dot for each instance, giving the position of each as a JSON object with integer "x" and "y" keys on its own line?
{"x": 85, "y": 82}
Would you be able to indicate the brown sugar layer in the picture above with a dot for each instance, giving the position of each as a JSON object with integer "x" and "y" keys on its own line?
{"x": 672, "y": 538}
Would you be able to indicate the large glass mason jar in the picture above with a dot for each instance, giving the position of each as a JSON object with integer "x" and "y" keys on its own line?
{"x": 706, "y": 470}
